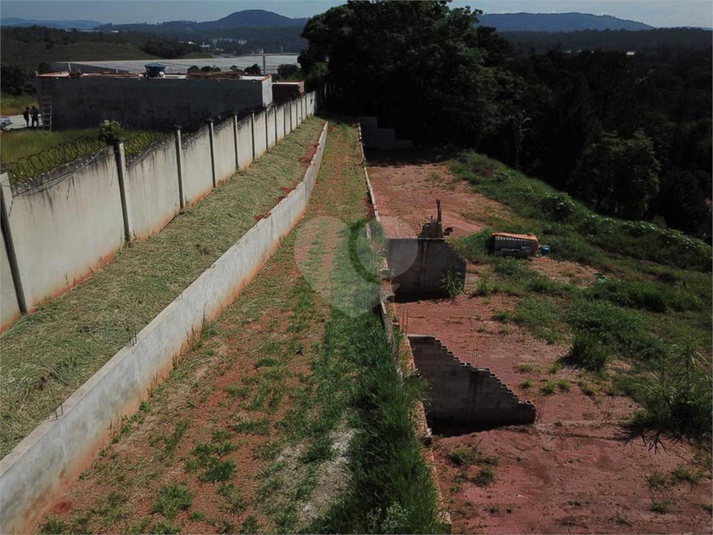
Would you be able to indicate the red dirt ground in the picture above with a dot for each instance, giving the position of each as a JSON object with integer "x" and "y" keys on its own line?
{"x": 575, "y": 470}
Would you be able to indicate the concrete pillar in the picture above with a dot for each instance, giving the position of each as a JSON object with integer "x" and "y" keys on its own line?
{"x": 179, "y": 162}
{"x": 284, "y": 120}
{"x": 291, "y": 116}
{"x": 267, "y": 130}
{"x": 235, "y": 138}
{"x": 252, "y": 131}
{"x": 5, "y": 192}
{"x": 123, "y": 188}
{"x": 274, "y": 114}
{"x": 212, "y": 151}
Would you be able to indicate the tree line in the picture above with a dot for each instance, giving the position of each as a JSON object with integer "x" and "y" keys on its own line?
{"x": 628, "y": 134}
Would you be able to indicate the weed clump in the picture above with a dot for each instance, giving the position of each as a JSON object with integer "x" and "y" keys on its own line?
{"x": 588, "y": 352}
{"x": 172, "y": 499}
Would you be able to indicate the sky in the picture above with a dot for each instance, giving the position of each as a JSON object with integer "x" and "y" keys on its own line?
{"x": 659, "y": 13}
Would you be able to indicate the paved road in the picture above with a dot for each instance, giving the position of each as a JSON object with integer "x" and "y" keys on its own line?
{"x": 18, "y": 122}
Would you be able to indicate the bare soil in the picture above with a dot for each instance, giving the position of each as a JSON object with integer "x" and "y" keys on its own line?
{"x": 577, "y": 469}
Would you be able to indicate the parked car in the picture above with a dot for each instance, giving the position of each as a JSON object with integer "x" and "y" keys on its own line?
{"x": 5, "y": 123}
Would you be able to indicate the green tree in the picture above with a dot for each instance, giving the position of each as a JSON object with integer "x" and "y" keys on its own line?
{"x": 619, "y": 176}
{"x": 289, "y": 71}
{"x": 253, "y": 70}
{"x": 418, "y": 66}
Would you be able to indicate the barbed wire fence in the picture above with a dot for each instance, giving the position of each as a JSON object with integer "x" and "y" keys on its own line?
{"x": 60, "y": 161}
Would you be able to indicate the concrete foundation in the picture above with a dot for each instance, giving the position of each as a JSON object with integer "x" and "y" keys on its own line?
{"x": 462, "y": 394}
{"x": 420, "y": 265}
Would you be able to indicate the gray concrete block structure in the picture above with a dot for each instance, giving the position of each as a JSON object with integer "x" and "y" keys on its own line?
{"x": 462, "y": 394}
{"x": 376, "y": 138}
{"x": 420, "y": 265}
{"x": 137, "y": 101}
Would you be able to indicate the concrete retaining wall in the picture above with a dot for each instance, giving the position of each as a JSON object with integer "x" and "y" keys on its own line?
{"x": 271, "y": 128}
{"x": 152, "y": 190}
{"x": 55, "y": 454}
{"x": 462, "y": 394}
{"x": 70, "y": 221}
{"x": 260, "y": 134}
{"x": 197, "y": 173}
{"x": 9, "y": 309}
{"x": 419, "y": 265}
{"x": 224, "y": 147}
{"x": 64, "y": 231}
{"x": 280, "y": 113}
{"x": 245, "y": 143}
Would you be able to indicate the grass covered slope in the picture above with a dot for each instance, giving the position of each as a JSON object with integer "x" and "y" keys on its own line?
{"x": 48, "y": 354}
{"x": 287, "y": 415}
{"x": 644, "y": 326}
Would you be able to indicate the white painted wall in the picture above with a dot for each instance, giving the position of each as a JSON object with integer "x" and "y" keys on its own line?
{"x": 280, "y": 112}
{"x": 152, "y": 190}
{"x": 64, "y": 231}
{"x": 73, "y": 223}
{"x": 260, "y": 145}
{"x": 55, "y": 454}
{"x": 9, "y": 310}
{"x": 245, "y": 143}
{"x": 197, "y": 173}
{"x": 224, "y": 144}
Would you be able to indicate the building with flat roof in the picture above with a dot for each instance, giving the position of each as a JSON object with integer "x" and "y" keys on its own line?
{"x": 152, "y": 100}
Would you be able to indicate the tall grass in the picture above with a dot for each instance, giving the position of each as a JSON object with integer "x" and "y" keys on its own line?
{"x": 94, "y": 320}
{"x": 635, "y": 310}
{"x": 15, "y": 105}
{"x": 561, "y": 218}
{"x": 392, "y": 490}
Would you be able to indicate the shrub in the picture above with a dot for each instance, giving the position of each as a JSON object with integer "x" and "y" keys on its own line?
{"x": 588, "y": 352}
{"x": 558, "y": 206}
{"x": 453, "y": 283}
{"x": 485, "y": 476}
{"x": 633, "y": 294}
{"x": 171, "y": 499}
{"x": 110, "y": 132}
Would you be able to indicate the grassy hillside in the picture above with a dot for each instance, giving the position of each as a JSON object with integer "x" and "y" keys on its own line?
{"x": 32, "y": 53}
{"x": 642, "y": 329}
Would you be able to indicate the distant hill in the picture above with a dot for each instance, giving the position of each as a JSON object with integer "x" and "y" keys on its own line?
{"x": 255, "y": 18}
{"x": 557, "y": 22}
{"x": 57, "y": 24}
{"x": 251, "y": 18}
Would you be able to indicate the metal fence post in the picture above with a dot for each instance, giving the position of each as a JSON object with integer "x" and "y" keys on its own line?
{"x": 123, "y": 188}
{"x": 212, "y": 151}
{"x": 179, "y": 165}
{"x": 10, "y": 246}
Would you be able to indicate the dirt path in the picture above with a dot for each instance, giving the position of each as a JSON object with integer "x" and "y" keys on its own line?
{"x": 221, "y": 446}
{"x": 575, "y": 470}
